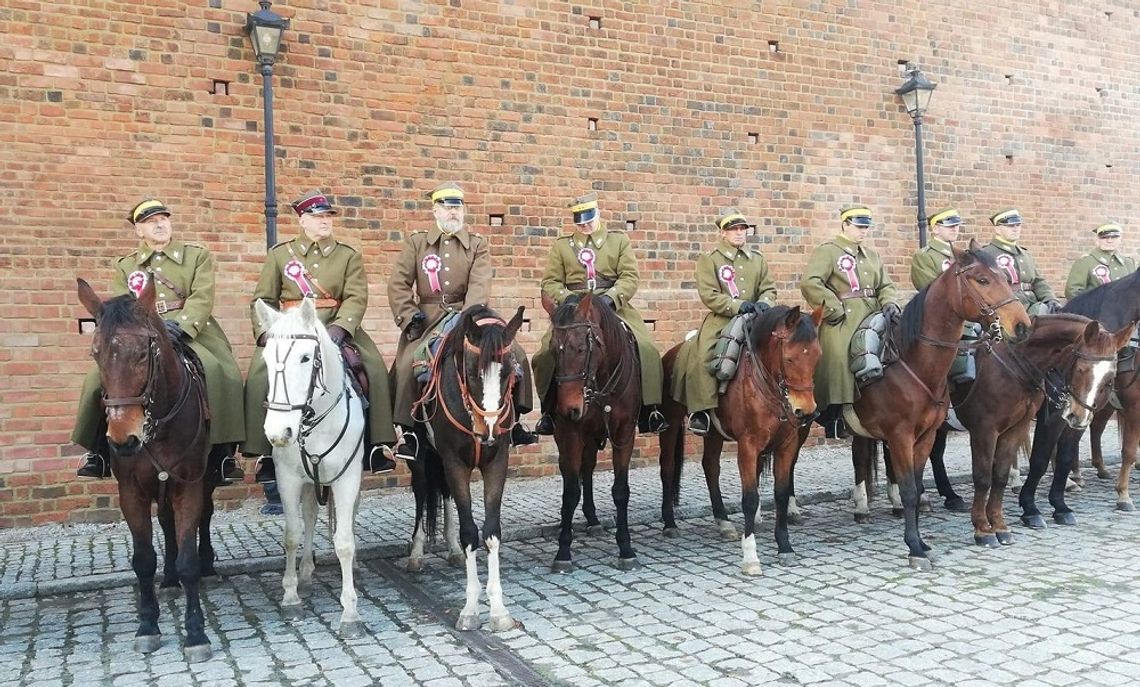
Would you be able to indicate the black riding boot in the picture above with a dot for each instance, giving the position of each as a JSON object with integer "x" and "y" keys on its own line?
{"x": 409, "y": 447}
{"x": 265, "y": 471}
{"x": 700, "y": 422}
{"x": 95, "y": 466}
{"x": 545, "y": 425}
{"x": 651, "y": 421}
{"x": 378, "y": 460}
{"x": 521, "y": 436}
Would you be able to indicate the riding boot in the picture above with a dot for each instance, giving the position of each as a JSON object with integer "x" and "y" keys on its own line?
{"x": 521, "y": 436}
{"x": 95, "y": 466}
{"x": 409, "y": 446}
{"x": 265, "y": 471}
{"x": 545, "y": 425}
{"x": 651, "y": 421}
{"x": 378, "y": 460}
{"x": 699, "y": 422}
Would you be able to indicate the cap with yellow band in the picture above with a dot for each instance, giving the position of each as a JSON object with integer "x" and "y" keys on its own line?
{"x": 731, "y": 219}
{"x": 147, "y": 209}
{"x": 947, "y": 217}
{"x": 447, "y": 193}
{"x": 584, "y": 208}
{"x": 858, "y": 215}
{"x": 1006, "y": 216}
{"x": 1108, "y": 231}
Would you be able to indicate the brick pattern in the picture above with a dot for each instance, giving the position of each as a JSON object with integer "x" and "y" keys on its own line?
{"x": 104, "y": 102}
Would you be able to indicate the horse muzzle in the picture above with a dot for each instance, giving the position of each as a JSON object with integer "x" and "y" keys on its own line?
{"x": 126, "y": 449}
{"x": 280, "y": 436}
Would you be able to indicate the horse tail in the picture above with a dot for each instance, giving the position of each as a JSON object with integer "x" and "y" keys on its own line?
{"x": 432, "y": 488}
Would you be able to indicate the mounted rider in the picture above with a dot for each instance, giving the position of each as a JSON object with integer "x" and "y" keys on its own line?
{"x": 439, "y": 273}
{"x": 1017, "y": 264}
{"x": 1101, "y": 265}
{"x": 848, "y": 280}
{"x": 731, "y": 280}
{"x": 184, "y": 278}
{"x": 315, "y": 265}
{"x": 590, "y": 259}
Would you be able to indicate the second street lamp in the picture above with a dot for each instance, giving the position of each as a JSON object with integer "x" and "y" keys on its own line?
{"x": 264, "y": 28}
{"x": 915, "y": 94}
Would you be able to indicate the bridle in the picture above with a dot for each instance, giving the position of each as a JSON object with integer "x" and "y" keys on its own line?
{"x": 988, "y": 312}
{"x": 589, "y": 374}
{"x": 778, "y": 386}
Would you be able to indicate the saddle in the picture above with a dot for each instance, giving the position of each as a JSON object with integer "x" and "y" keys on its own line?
{"x": 425, "y": 352}
{"x": 357, "y": 375}
{"x": 181, "y": 343}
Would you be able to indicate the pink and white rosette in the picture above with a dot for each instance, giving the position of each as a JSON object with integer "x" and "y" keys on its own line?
{"x": 1005, "y": 262}
{"x": 588, "y": 259}
{"x": 727, "y": 274}
{"x": 136, "y": 282}
{"x": 847, "y": 265}
{"x": 295, "y": 272}
{"x": 945, "y": 264}
{"x": 1101, "y": 272}
{"x": 431, "y": 265}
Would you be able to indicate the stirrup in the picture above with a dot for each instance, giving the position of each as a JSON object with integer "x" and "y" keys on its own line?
{"x": 545, "y": 425}
{"x": 408, "y": 447}
{"x": 697, "y": 428}
{"x": 380, "y": 460}
{"x": 657, "y": 422}
{"x": 231, "y": 469}
{"x": 95, "y": 466}
{"x": 266, "y": 472}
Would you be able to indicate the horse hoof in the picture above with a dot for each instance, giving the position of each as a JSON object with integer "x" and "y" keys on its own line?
{"x": 671, "y": 532}
{"x": 457, "y": 560}
{"x": 863, "y": 518}
{"x": 561, "y": 566}
{"x": 1103, "y": 474}
{"x": 1005, "y": 538}
{"x": 197, "y": 654}
{"x": 751, "y": 569}
{"x": 989, "y": 541}
{"x": 956, "y": 504}
{"x": 787, "y": 559}
{"x": 1064, "y": 518}
{"x": 1072, "y": 486}
{"x": 145, "y": 644}
{"x": 292, "y": 613}
{"x": 924, "y": 505}
{"x": 351, "y": 629}
{"x": 921, "y": 563}
{"x": 925, "y": 546}
{"x": 1125, "y": 506}
{"x": 628, "y": 563}
{"x": 727, "y": 530}
{"x": 502, "y": 623}
{"x": 795, "y": 519}
{"x": 466, "y": 623}
{"x": 1033, "y": 522}
{"x": 415, "y": 565}
{"x": 169, "y": 583}
{"x": 1015, "y": 489}
{"x": 897, "y": 512}
{"x": 595, "y": 530}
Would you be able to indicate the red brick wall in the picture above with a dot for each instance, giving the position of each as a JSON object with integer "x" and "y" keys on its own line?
{"x": 103, "y": 103}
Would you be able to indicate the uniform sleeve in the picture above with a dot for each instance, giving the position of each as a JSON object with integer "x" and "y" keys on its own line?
{"x": 625, "y": 287}
{"x": 402, "y": 285}
{"x": 268, "y": 289}
{"x": 887, "y": 292}
{"x": 923, "y": 270}
{"x": 479, "y": 279}
{"x": 199, "y": 306}
{"x": 813, "y": 286}
{"x": 708, "y": 288}
{"x": 119, "y": 285}
{"x": 354, "y": 294}
{"x": 765, "y": 286}
{"x": 1078, "y": 278}
{"x": 554, "y": 277}
{"x": 1041, "y": 288}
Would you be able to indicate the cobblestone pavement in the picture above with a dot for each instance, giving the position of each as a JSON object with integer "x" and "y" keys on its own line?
{"x": 1059, "y": 607}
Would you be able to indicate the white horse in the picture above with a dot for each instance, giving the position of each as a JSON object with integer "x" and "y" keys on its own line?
{"x": 315, "y": 421}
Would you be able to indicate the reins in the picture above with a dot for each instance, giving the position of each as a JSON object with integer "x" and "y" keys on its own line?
{"x": 591, "y": 395}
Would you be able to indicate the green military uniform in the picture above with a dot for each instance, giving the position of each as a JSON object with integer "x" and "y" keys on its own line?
{"x": 1100, "y": 266}
{"x": 335, "y": 273}
{"x": 849, "y": 281}
{"x": 720, "y": 272}
{"x": 1018, "y": 266}
{"x": 616, "y": 269}
{"x": 930, "y": 261}
{"x": 184, "y": 283}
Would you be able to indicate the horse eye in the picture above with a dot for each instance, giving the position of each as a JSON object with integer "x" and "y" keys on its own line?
{"x": 983, "y": 280}
{"x": 306, "y": 358}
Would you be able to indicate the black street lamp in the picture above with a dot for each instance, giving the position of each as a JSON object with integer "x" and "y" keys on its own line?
{"x": 264, "y": 28}
{"x": 915, "y": 93}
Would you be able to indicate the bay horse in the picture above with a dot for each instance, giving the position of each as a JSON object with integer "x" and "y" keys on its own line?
{"x": 597, "y": 387}
{"x": 154, "y": 394}
{"x": 315, "y": 421}
{"x": 468, "y": 410}
{"x": 762, "y": 409}
{"x": 909, "y": 403}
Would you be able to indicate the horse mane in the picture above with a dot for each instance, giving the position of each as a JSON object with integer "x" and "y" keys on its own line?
{"x": 610, "y": 323}
{"x": 1092, "y": 303}
{"x": 492, "y": 337}
{"x": 910, "y": 325}
{"x": 765, "y": 323}
{"x": 1051, "y": 326}
{"x": 118, "y": 312}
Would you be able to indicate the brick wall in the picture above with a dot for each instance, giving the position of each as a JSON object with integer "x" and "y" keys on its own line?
{"x": 103, "y": 103}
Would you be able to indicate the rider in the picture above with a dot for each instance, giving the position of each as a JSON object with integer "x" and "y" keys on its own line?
{"x": 936, "y": 257}
{"x": 315, "y": 265}
{"x": 1017, "y": 264}
{"x": 731, "y": 280}
{"x": 846, "y": 278}
{"x": 590, "y": 259}
{"x": 1102, "y": 265}
{"x": 184, "y": 279}
{"x": 438, "y": 274}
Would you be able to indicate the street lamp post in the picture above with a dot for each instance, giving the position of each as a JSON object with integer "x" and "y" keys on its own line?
{"x": 264, "y": 28}
{"x": 915, "y": 93}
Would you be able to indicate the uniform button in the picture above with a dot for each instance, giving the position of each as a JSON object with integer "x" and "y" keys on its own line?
{"x": 158, "y": 257}
{"x": 315, "y": 265}
{"x": 157, "y": 269}
{"x": 447, "y": 283}
{"x": 446, "y": 269}
{"x": 447, "y": 255}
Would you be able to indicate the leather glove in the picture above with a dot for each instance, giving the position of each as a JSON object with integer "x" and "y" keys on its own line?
{"x": 261, "y": 339}
{"x": 338, "y": 333}
{"x": 175, "y": 330}
{"x": 415, "y": 328}
{"x": 608, "y": 301}
{"x": 746, "y": 308}
{"x": 892, "y": 311}
{"x": 1054, "y": 305}
{"x": 762, "y": 306}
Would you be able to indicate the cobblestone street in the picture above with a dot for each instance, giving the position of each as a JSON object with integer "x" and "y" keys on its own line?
{"x": 1059, "y": 607}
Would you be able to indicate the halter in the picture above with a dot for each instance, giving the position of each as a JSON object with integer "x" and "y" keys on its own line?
{"x": 987, "y": 311}
{"x": 589, "y": 375}
{"x": 778, "y": 386}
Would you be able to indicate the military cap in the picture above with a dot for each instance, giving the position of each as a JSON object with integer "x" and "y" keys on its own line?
{"x": 313, "y": 202}
{"x": 730, "y": 219}
{"x": 447, "y": 193}
{"x": 858, "y": 215}
{"x": 146, "y": 209}
{"x": 584, "y": 208}
{"x": 947, "y": 217}
{"x": 1006, "y": 216}
{"x": 1108, "y": 231}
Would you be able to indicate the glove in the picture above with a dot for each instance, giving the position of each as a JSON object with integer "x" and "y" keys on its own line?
{"x": 892, "y": 311}
{"x": 761, "y": 306}
{"x": 747, "y": 308}
{"x": 261, "y": 339}
{"x": 175, "y": 330}
{"x": 415, "y": 328}
{"x": 338, "y": 333}
{"x": 1054, "y": 305}
{"x": 606, "y": 300}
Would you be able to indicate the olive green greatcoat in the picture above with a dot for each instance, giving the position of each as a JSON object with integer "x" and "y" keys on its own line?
{"x": 464, "y": 280}
{"x": 822, "y": 284}
{"x": 338, "y": 270}
{"x": 1018, "y": 266}
{"x": 1082, "y": 276}
{"x": 693, "y": 385}
{"x": 929, "y": 262}
{"x": 190, "y": 268}
{"x": 614, "y": 261}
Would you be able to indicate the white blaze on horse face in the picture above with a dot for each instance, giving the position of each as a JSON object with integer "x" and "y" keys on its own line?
{"x": 1102, "y": 371}
{"x": 492, "y": 397}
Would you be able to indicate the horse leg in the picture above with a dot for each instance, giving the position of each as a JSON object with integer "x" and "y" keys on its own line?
{"x": 170, "y": 555}
{"x": 908, "y": 473}
{"x": 290, "y": 488}
{"x": 627, "y": 559}
{"x": 983, "y": 448}
{"x": 1045, "y": 437}
{"x": 1005, "y": 454}
{"x": 144, "y": 561}
{"x": 893, "y": 494}
{"x": 589, "y": 462}
{"x": 1067, "y": 450}
{"x": 308, "y": 532}
{"x": 205, "y": 544}
{"x": 922, "y": 446}
{"x": 953, "y": 502}
{"x": 459, "y": 483}
{"x": 712, "y": 446}
{"x": 1129, "y": 437}
{"x": 1096, "y": 429}
{"x": 783, "y": 464}
{"x": 748, "y": 462}
{"x": 451, "y": 531}
{"x": 494, "y": 479}
{"x": 861, "y": 456}
{"x": 187, "y": 518}
{"x": 344, "y": 493}
{"x": 795, "y": 517}
{"x": 419, "y": 531}
{"x": 569, "y": 461}
{"x": 671, "y": 460}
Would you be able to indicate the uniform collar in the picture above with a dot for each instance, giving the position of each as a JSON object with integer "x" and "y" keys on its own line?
{"x": 175, "y": 250}
{"x": 306, "y": 244}
{"x": 1105, "y": 257}
{"x": 941, "y": 246}
{"x": 730, "y": 251}
{"x": 1007, "y": 246}
{"x": 848, "y": 244}
{"x": 595, "y": 239}
{"x": 463, "y": 236}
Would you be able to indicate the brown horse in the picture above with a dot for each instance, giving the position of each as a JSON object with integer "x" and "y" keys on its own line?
{"x": 598, "y": 398}
{"x": 909, "y": 403}
{"x": 158, "y": 432}
{"x": 762, "y": 409}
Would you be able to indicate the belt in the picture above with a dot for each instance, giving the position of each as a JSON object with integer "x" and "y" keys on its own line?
{"x": 287, "y": 305}
{"x": 443, "y": 298}
{"x": 167, "y": 306}
{"x": 1025, "y": 287}
{"x": 857, "y": 293}
{"x": 599, "y": 283}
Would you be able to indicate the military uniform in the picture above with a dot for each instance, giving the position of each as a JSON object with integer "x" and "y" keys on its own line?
{"x": 1017, "y": 264}
{"x": 1098, "y": 266}
{"x": 727, "y": 277}
{"x": 849, "y": 281}
{"x": 929, "y": 262}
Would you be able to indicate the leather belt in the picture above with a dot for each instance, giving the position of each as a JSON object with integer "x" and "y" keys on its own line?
{"x": 287, "y": 305}
{"x": 167, "y": 306}
{"x": 443, "y": 298}
{"x": 1025, "y": 287}
{"x": 599, "y": 283}
{"x": 857, "y": 293}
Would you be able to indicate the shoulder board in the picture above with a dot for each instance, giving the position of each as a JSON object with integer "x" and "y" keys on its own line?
{"x": 129, "y": 256}
{"x": 281, "y": 243}
{"x": 194, "y": 245}
{"x": 417, "y": 232}
{"x": 346, "y": 246}
{"x": 619, "y": 234}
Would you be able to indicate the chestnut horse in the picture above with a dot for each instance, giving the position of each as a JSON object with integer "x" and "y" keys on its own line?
{"x": 598, "y": 398}
{"x": 761, "y": 409}
{"x": 906, "y": 406}
{"x": 159, "y": 435}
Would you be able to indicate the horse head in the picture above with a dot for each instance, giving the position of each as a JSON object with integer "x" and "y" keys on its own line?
{"x": 985, "y": 294}
{"x": 304, "y": 365}
{"x": 582, "y": 341}
{"x": 134, "y": 356}
{"x": 787, "y": 343}
{"x": 486, "y": 367}
{"x": 1091, "y": 371}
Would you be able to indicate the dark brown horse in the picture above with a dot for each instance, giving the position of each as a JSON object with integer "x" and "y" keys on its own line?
{"x": 598, "y": 398}
{"x": 762, "y": 409}
{"x": 158, "y": 432}
{"x": 909, "y": 403}
{"x": 468, "y": 406}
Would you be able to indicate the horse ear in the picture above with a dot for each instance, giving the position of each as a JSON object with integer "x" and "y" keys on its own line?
{"x": 515, "y": 323}
{"x": 817, "y": 316}
{"x": 1092, "y": 330}
{"x": 266, "y": 315}
{"x": 145, "y": 301}
{"x": 1122, "y": 336}
{"x": 963, "y": 257}
{"x": 792, "y": 319}
{"x": 89, "y": 299}
{"x": 308, "y": 313}
{"x": 548, "y": 304}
